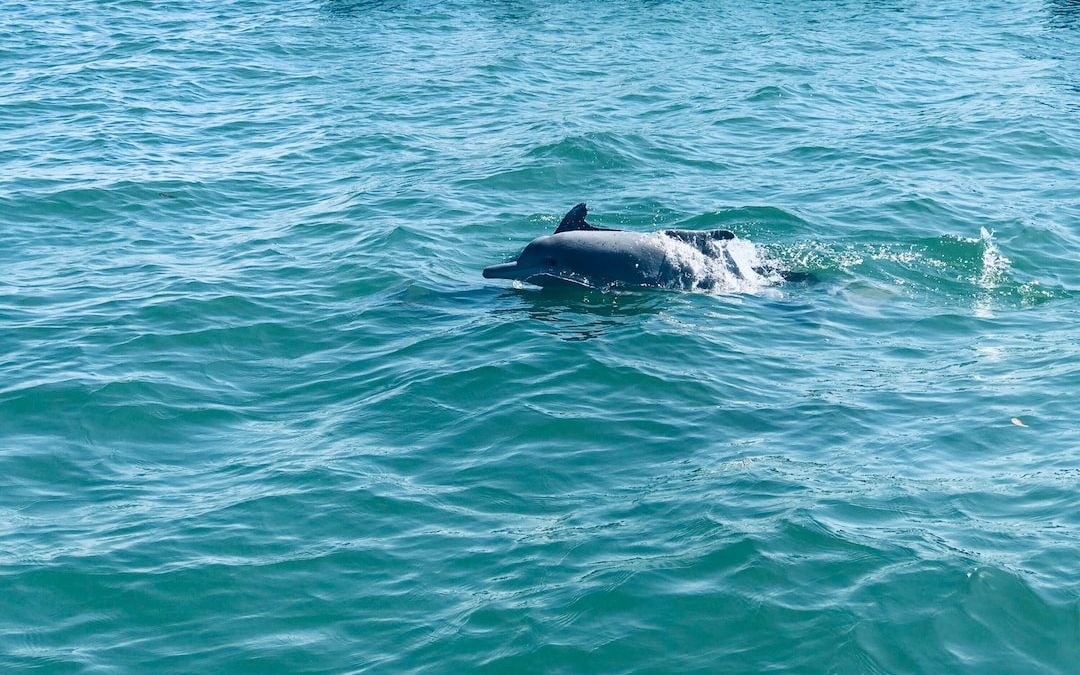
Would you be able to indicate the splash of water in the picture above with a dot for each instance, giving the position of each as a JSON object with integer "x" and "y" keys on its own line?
{"x": 994, "y": 264}
{"x": 992, "y": 273}
{"x": 733, "y": 266}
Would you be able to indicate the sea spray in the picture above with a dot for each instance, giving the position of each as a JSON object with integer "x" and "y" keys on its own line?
{"x": 728, "y": 266}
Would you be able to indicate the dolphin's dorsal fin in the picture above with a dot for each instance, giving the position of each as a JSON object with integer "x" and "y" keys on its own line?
{"x": 574, "y": 219}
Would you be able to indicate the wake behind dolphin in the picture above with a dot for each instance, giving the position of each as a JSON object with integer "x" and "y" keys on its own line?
{"x": 580, "y": 254}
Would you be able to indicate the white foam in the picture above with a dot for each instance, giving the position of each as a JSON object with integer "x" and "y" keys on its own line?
{"x": 991, "y": 274}
{"x": 993, "y": 263}
{"x": 724, "y": 267}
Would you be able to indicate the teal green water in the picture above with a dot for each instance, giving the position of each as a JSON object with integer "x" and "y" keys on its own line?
{"x": 259, "y": 412}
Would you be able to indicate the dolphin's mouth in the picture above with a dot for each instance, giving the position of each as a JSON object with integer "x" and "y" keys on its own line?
{"x": 508, "y": 270}
{"x": 549, "y": 280}
{"x": 536, "y": 277}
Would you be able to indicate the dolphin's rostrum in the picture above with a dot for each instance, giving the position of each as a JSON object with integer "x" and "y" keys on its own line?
{"x": 581, "y": 254}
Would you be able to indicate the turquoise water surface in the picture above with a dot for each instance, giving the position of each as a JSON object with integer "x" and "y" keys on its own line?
{"x": 259, "y": 412}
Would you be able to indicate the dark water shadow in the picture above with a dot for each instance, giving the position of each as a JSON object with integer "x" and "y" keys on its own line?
{"x": 510, "y": 11}
{"x": 506, "y": 11}
{"x": 576, "y": 314}
{"x": 1063, "y": 13}
{"x": 353, "y": 8}
{"x": 568, "y": 313}
{"x": 347, "y": 9}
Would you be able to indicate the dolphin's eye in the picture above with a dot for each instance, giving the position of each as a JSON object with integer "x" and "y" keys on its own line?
{"x": 550, "y": 262}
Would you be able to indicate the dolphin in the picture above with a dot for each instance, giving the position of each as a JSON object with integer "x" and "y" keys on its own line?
{"x": 581, "y": 254}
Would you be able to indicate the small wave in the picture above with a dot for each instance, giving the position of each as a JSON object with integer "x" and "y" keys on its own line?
{"x": 597, "y": 150}
{"x": 762, "y": 220}
{"x": 766, "y": 93}
{"x": 971, "y": 269}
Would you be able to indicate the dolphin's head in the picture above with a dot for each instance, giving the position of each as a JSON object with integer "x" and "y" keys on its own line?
{"x": 572, "y": 255}
{"x": 596, "y": 259}
{"x": 543, "y": 262}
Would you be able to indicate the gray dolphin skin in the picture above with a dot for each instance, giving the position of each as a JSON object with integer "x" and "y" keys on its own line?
{"x": 579, "y": 254}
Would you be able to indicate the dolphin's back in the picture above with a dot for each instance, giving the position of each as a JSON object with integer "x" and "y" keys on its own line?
{"x": 580, "y": 254}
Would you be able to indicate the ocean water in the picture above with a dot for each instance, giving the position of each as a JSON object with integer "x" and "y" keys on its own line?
{"x": 259, "y": 412}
